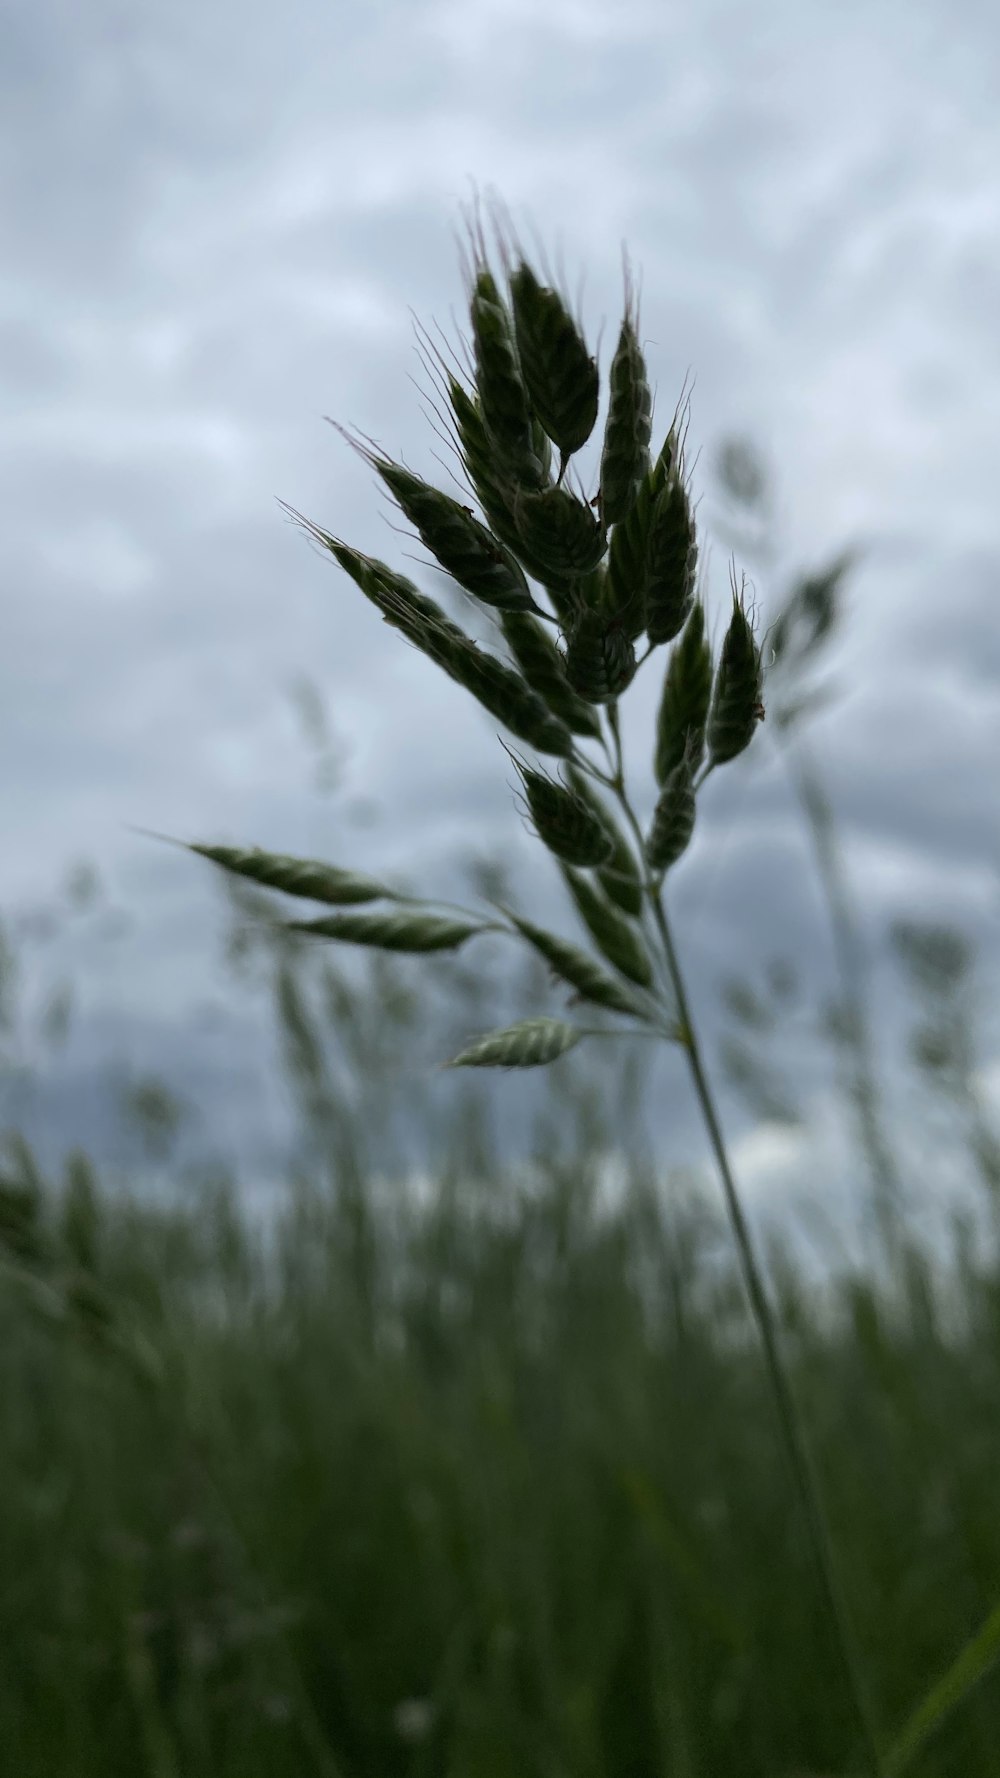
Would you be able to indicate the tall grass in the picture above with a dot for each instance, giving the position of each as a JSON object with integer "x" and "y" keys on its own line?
{"x": 478, "y": 1483}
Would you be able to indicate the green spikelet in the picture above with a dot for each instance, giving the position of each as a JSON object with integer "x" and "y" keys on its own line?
{"x": 307, "y": 877}
{"x": 477, "y": 454}
{"x": 620, "y": 878}
{"x": 687, "y": 690}
{"x": 560, "y": 376}
{"x": 625, "y": 458}
{"x": 671, "y": 562}
{"x": 600, "y": 657}
{"x": 559, "y": 531}
{"x": 615, "y": 938}
{"x": 628, "y": 555}
{"x": 495, "y": 493}
{"x": 391, "y": 931}
{"x": 401, "y": 603}
{"x": 673, "y": 819}
{"x": 531, "y": 1044}
{"x": 563, "y": 821}
{"x": 502, "y": 395}
{"x": 541, "y": 663}
{"x": 495, "y": 685}
{"x": 464, "y": 548}
{"x": 581, "y": 971}
{"x": 736, "y": 706}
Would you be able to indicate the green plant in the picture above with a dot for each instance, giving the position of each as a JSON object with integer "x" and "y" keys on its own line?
{"x": 610, "y": 572}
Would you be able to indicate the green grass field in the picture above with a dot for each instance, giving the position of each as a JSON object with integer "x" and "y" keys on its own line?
{"x": 491, "y": 1488}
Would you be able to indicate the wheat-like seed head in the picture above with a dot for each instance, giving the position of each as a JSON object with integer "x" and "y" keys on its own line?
{"x": 530, "y": 1044}
{"x": 628, "y": 555}
{"x": 684, "y": 704}
{"x": 560, "y": 376}
{"x": 502, "y": 395}
{"x": 620, "y": 878}
{"x": 610, "y": 578}
{"x": 736, "y": 706}
{"x": 496, "y": 493}
{"x": 577, "y": 968}
{"x": 542, "y": 665}
{"x": 559, "y": 531}
{"x": 600, "y": 657}
{"x": 501, "y": 691}
{"x": 673, "y": 818}
{"x": 625, "y": 458}
{"x": 614, "y": 936}
{"x": 463, "y": 547}
{"x": 393, "y": 930}
{"x": 563, "y": 821}
{"x": 671, "y": 561}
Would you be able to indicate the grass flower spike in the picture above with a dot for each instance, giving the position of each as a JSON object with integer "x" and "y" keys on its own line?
{"x": 572, "y": 576}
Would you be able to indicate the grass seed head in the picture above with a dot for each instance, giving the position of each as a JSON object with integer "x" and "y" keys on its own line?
{"x": 563, "y": 821}
{"x": 736, "y": 701}
{"x": 509, "y": 698}
{"x": 502, "y": 395}
{"x": 671, "y": 561}
{"x": 401, "y": 603}
{"x": 580, "y": 971}
{"x": 559, "y": 531}
{"x": 620, "y": 878}
{"x": 393, "y": 930}
{"x": 463, "y": 547}
{"x": 628, "y": 555}
{"x": 625, "y": 457}
{"x": 498, "y": 687}
{"x": 615, "y": 937}
{"x": 307, "y": 877}
{"x": 541, "y": 663}
{"x": 560, "y": 376}
{"x": 673, "y": 818}
{"x": 530, "y": 1044}
{"x": 600, "y": 657}
{"x": 684, "y": 705}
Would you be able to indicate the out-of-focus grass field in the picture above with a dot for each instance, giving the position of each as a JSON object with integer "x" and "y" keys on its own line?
{"x": 486, "y": 1488}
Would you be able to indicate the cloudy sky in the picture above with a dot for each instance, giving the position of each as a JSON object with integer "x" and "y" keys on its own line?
{"x": 216, "y": 227}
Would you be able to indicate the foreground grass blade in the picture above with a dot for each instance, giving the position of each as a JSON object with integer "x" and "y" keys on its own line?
{"x": 954, "y": 1686}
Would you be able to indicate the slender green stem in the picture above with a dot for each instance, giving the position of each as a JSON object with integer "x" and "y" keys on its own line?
{"x": 803, "y": 1470}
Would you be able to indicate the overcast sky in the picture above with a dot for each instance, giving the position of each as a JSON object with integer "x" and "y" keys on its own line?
{"x": 214, "y": 225}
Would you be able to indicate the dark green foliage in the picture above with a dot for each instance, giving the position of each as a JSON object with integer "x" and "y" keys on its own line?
{"x": 550, "y": 1422}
